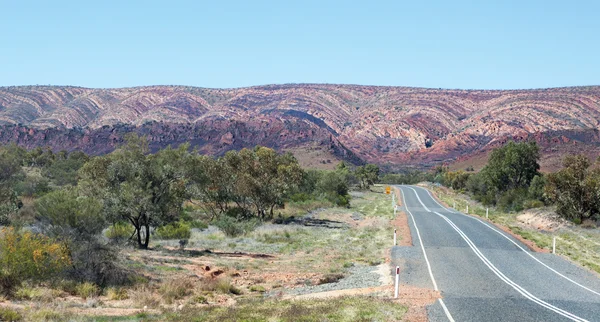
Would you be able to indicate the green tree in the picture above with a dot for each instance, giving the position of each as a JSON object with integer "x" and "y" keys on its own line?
{"x": 11, "y": 158}
{"x": 575, "y": 189}
{"x": 144, "y": 190}
{"x": 367, "y": 175}
{"x": 512, "y": 166}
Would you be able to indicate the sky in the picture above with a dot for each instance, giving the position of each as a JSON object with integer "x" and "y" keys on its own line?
{"x": 225, "y": 44}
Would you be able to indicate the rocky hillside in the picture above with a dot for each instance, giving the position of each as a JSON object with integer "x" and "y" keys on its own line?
{"x": 394, "y": 126}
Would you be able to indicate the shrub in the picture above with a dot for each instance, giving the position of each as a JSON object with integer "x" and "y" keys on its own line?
{"x": 143, "y": 295}
{"x": 176, "y": 230}
{"x": 86, "y": 290}
{"x": 257, "y": 288}
{"x": 27, "y": 256}
{"x": 7, "y": 314}
{"x": 233, "y": 227}
{"x": 116, "y": 294}
{"x": 119, "y": 232}
{"x": 532, "y": 203}
{"x": 40, "y": 294}
{"x": 330, "y": 278}
{"x": 176, "y": 289}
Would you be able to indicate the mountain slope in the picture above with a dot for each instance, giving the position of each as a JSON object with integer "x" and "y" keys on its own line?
{"x": 386, "y": 125}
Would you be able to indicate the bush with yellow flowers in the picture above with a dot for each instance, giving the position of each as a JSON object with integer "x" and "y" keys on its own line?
{"x": 28, "y": 256}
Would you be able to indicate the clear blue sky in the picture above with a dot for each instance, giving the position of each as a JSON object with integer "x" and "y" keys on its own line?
{"x": 448, "y": 44}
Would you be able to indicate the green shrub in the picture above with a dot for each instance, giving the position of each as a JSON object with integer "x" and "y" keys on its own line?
{"x": 7, "y": 314}
{"x": 176, "y": 230}
{"x": 532, "y": 203}
{"x": 27, "y": 256}
{"x": 117, "y": 293}
{"x": 119, "y": 232}
{"x": 233, "y": 227}
{"x": 257, "y": 288}
{"x": 87, "y": 290}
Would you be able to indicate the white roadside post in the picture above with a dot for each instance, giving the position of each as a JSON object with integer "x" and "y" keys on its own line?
{"x": 554, "y": 245}
{"x": 393, "y": 200}
{"x": 487, "y": 211}
{"x": 397, "y": 282}
{"x": 394, "y": 237}
{"x": 467, "y": 209}
{"x": 454, "y": 205}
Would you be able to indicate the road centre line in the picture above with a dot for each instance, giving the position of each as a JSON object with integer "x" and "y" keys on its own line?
{"x": 512, "y": 241}
{"x": 435, "y": 287}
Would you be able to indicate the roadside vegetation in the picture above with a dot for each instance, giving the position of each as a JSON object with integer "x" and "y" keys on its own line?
{"x": 172, "y": 235}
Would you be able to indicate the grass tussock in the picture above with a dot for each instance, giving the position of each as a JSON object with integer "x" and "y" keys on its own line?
{"x": 349, "y": 309}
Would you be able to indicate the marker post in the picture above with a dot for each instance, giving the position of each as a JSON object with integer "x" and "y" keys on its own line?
{"x": 397, "y": 282}
{"x": 554, "y": 245}
{"x": 394, "y": 237}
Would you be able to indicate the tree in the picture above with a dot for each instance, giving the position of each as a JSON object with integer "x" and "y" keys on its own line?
{"x": 367, "y": 175}
{"x": 11, "y": 158}
{"x": 512, "y": 166}
{"x": 77, "y": 221}
{"x": 263, "y": 178}
{"x": 144, "y": 190}
{"x": 575, "y": 189}
{"x": 332, "y": 185}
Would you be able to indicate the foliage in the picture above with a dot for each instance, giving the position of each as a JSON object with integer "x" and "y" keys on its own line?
{"x": 367, "y": 175}
{"x": 333, "y": 186}
{"x": 575, "y": 189}
{"x": 87, "y": 290}
{"x": 411, "y": 177}
{"x": 63, "y": 170}
{"x": 119, "y": 232}
{"x": 78, "y": 221}
{"x": 233, "y": 226}
{"x": 28, "y": 256}
{"x": 7, "y": 314}
{"x": 512, "y": 166}
{"x": 10, "y": 173}
{"x": 144, "y": 190}
{"x": 32, "y": 186}
{"x": 176, "y": 230}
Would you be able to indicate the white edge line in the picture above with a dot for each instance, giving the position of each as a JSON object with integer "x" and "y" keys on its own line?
{"x": 435, "y": 287}
{"x": 446, "y": 311}
{"x": 521, "y": 248}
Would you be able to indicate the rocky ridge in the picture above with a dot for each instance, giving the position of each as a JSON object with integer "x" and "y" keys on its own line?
{"x": 394, "y": 126}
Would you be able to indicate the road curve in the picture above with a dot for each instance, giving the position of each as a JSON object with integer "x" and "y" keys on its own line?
{"x": 485, "y": 274}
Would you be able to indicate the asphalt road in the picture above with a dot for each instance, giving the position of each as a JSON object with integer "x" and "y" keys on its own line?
{"x": 486, "y": 275}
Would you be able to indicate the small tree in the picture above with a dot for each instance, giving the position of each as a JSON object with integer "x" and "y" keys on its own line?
{"x": 575, "y": 189}
{"x": 146, "y": 191}
{"x": 11, "y": 158}
{"x": 367, "y": 175}
{"x": 512, "y": 166}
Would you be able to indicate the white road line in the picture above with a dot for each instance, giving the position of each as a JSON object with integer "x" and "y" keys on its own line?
{"x": 422, "y": 204}
{"x": 505, "y": 279}
{"x": 446, "y": 311}
{"x": 521, "y": 248}
{"x": 435, "y": 287}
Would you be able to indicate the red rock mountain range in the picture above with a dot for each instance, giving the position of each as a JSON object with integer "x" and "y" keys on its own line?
{"x": 391, "y": 126}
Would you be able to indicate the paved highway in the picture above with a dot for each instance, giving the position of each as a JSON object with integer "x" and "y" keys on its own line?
{"x": 486, "y": 275}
